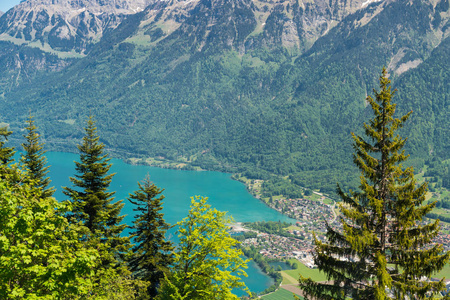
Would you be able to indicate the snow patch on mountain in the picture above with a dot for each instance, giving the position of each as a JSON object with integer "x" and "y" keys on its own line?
{"x": 369, "y": 2}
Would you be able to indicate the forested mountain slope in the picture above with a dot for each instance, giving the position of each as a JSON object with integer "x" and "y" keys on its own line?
{"x": 256, "y": 87}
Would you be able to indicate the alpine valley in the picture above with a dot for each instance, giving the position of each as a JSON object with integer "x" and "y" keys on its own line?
{"x": 270, "y": 89}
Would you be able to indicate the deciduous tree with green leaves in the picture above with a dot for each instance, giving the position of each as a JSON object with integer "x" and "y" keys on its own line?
{"x": 44, "y": 256}
{"x": 152, "y": 254}
{"x": 384, "y": 249}
{"x": 41, "y": 255}
{"x": 207, "y": 265}
{"x": 34, "y": 160}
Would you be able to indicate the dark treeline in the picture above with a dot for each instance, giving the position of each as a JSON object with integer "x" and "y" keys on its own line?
{"x": 439, "y": 171}
{"x": 436, "y": 216}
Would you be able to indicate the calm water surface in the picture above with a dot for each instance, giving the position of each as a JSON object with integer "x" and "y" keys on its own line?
{"x": 224, "y": 194}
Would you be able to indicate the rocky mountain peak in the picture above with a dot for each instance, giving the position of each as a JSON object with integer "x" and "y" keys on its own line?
{"x": 75, "y": 25}
{"x": 65, "y": 25}
{"x": 247, "y": 24}
{"x": 94, "y": 6}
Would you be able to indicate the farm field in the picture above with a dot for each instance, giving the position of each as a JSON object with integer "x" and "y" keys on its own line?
{"x": 315, "y": 274}
{"x": 280, "y": 294}
{"x": 445, "y": 272}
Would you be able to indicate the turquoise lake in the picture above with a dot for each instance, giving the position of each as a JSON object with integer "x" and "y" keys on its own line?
{"x": 224, "y": 194}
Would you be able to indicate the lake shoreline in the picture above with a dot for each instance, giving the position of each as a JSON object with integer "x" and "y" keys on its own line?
{"x": 224, "y": 194}
{"x": 164, "y": 163}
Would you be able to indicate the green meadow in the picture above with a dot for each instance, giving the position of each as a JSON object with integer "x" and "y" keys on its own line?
{"x": 280, "y": 294}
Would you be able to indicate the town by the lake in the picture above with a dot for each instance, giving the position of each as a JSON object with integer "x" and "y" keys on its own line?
{"x": 311, "y": 218}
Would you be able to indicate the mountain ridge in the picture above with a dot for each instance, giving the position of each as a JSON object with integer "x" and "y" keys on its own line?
{"x": 65, "y": 25}
{"x": 73, "y": 26}
{"x": 208, "y": 86}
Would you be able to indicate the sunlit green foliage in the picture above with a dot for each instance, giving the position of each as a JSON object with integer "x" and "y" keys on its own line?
{"x": 41, "y": 255}
{"x": 206, "y": 266}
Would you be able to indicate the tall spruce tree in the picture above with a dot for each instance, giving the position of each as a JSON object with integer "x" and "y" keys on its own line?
{"x": 384, "y": 250}
{"x": 6, "y": 157}
{"x": 34, "y": 160}
{"x": 152, "y": 254}
{"x": 6, "y": 153}
{"x": 92, "y": 203}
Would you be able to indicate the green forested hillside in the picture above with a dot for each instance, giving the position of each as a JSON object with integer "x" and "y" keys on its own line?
{"x": 217, "y": 93}
{"x": 426, "y": 91}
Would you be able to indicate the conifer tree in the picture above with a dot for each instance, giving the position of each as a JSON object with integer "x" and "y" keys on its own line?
{"x": 6, "y": 157}
{"x": 6, "y": 153}
{"x": 384, "y": 250}
{"x": 92, "y": 203}
{"x": 152, "y": 255}
{"x": 35, "y": 161}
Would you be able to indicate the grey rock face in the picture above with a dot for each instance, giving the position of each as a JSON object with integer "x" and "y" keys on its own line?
{"x": 75, "y": 25}
{"x": 65, "y": 25}
{"x": 246, "y": 24}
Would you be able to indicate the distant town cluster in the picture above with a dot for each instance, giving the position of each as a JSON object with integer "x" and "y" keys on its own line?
{"x": 305, "y": 211}
{"x": 278, "y": 247}
{"x": 444, "y": 236}
{"x": 311, "y": 216}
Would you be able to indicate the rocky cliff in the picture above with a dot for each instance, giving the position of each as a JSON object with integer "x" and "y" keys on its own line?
{"x": 248, "y": 24}
{"x": 65, "y": 25}
{"x": 73, "y": 26}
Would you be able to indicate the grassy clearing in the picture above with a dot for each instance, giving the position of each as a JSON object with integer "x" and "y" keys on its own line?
{"x": 140, "y": 39}
{"x": 253, "y": 61}
{"x": 287, "y": 279}
{"x": 439, "y": 194}
{"x": 441, "y": 212}
{"x": 420, "y": 176}
{"x": 328, "y": 201}
{"x": 280, "y": 294}
{"x": 445, "y": 272}
{"x": 315, "y": 274}
{"x": 293, "y": 227}
{"x": 445, "y": 193}
{"x": 313, "y": 197}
